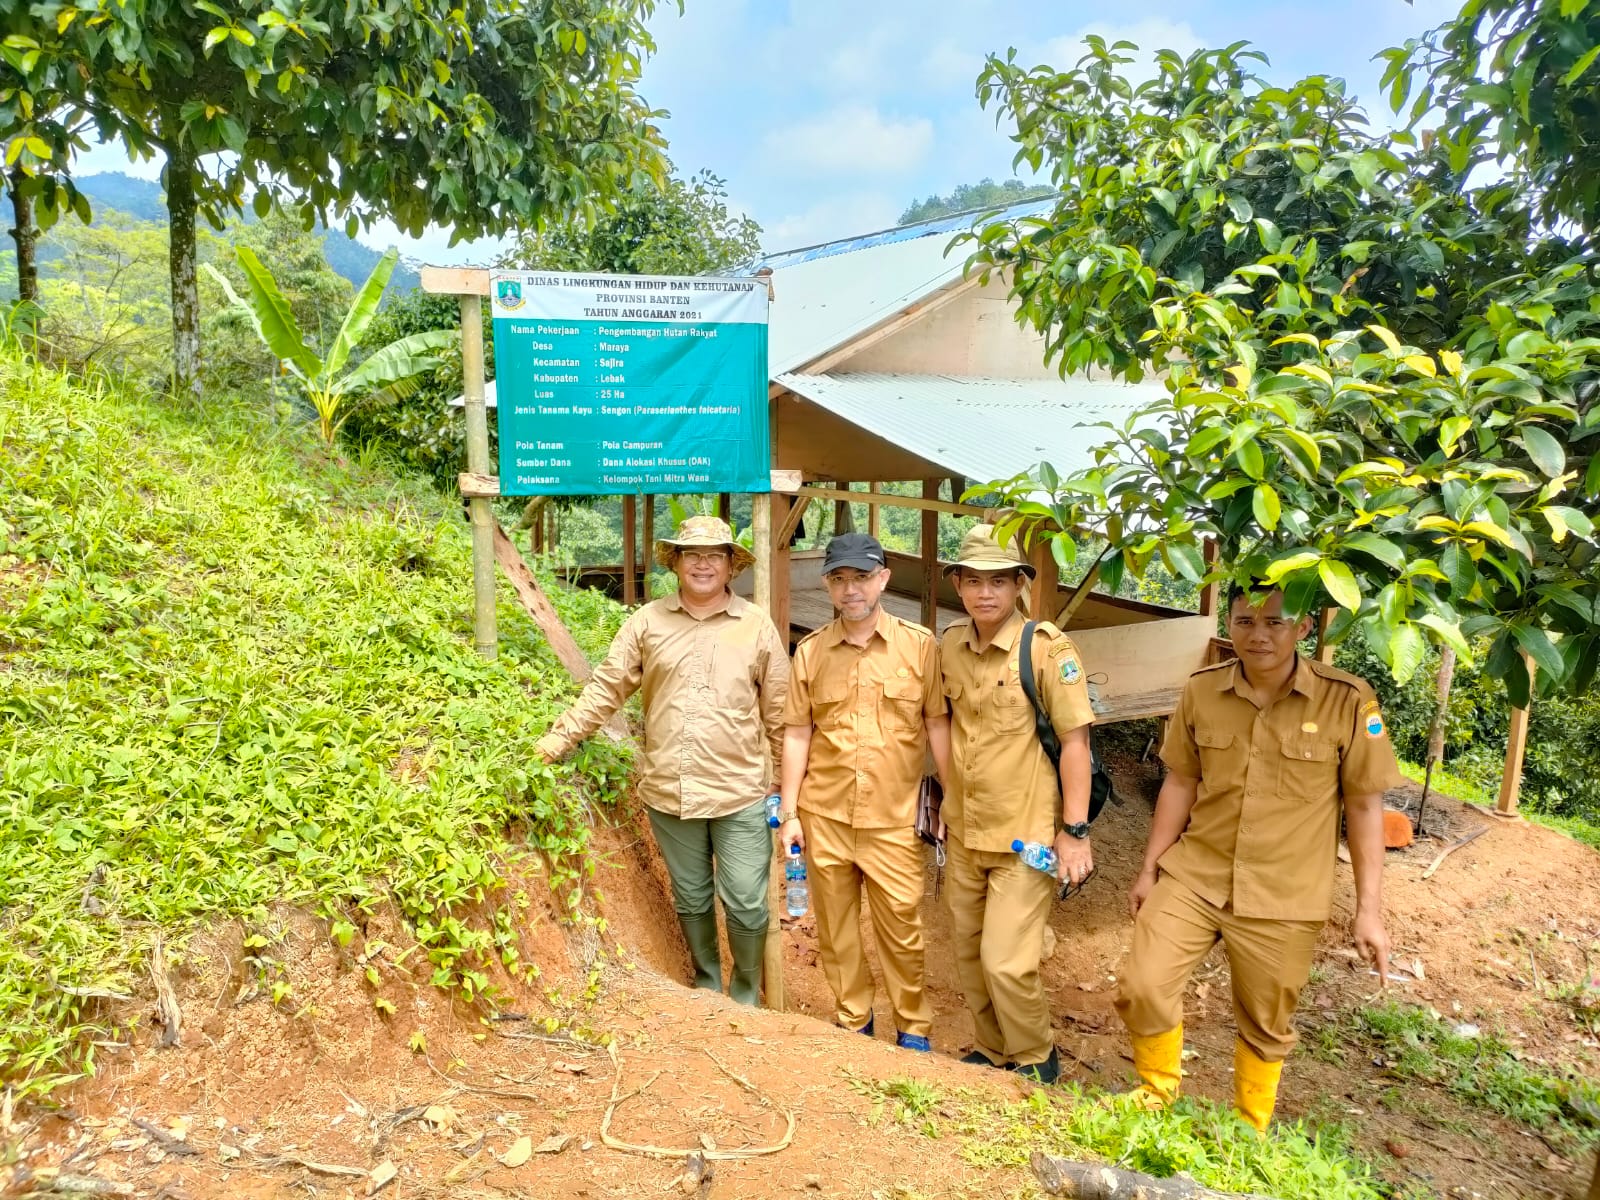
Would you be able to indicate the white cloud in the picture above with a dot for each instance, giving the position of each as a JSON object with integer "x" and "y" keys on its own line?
{"x": 851, "y": 139}
{"x": 828, "y": 220}
{"x": 948, "y": 65}
{"x": 858, "y": 65}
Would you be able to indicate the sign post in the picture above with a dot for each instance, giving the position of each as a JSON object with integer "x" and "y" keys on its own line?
{"x": 630, "y": 384}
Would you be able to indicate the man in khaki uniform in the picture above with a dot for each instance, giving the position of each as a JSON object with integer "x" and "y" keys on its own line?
{"x": 1262, "y": 753}
{"x": 865, "y": 703}
{"x": 714, "y": 674}
{"x": 1003, "y": 787}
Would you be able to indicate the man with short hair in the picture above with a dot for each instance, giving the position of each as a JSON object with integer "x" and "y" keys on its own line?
{"x": 714, "y": 674}
{"x": 865, "y": 703}
{"x": 1262, "y": 754}
{"x": 1003, "y": 787}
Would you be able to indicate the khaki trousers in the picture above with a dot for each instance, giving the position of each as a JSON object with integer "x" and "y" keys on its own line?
{"x": 998, "y": 909}
{"x": 1269, "y": 961}
{"x": 839, "y": 858}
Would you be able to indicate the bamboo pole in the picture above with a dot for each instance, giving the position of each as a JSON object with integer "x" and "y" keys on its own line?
{"x": 1516, "y": 748}
{"x": 929, "y": 548}
{"x": 484, "y": 634}
{"x": 772, "y": 956}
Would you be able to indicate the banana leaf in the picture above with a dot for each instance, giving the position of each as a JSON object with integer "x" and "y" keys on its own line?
{"x": 401, "y": 359}
{"x": 362, "y": 310}
{"x": 279, "y": 330}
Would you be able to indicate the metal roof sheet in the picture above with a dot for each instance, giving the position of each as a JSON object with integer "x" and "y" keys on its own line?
{"x": 983, "y": 429}
{"x": 825, "y": 296}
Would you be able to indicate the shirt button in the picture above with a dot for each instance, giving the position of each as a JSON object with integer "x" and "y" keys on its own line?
{"x": 1308, "y": 754}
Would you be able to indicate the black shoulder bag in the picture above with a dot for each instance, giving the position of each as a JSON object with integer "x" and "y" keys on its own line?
{"x": 1099, "y": 777}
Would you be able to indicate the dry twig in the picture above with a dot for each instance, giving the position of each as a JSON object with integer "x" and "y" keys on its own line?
{"x": 685, "y": 1152}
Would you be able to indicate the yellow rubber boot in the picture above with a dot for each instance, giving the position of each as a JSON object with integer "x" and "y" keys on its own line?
{"x": 1255, "y": 1086}
{"x": 1159, "y": 1061}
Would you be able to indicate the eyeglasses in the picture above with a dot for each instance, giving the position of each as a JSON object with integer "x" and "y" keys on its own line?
{"x": 1067, "y": 890}
{"x": 694, "y": 558}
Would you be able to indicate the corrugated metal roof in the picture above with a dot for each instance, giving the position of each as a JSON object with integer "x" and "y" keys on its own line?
{"x": 983, "y": 429}
{"x": 825, "y": 296}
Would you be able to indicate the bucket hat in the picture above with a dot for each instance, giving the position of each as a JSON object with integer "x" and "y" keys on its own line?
{"x": 981, "y": 552}
{"x": 703, "y": 532}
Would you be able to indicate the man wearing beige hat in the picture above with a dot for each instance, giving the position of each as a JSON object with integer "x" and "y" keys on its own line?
{"x": 714, "y": 675}
{"x": 1003, "y": 787}
{"x": 864, "y": 708}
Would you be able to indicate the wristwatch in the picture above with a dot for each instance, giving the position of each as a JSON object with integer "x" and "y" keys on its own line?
{"x": 1079, "y": 831}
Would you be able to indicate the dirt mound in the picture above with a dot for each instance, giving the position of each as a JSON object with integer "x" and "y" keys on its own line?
{"x": 328, "y": 1093}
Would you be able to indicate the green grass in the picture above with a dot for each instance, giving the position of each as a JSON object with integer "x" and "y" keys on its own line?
{"x": 1482, "y": 1072}
{"x": 1206, "y": 1140}
{"x": 1446, "y": 783}
{"x": 234, "y": 673}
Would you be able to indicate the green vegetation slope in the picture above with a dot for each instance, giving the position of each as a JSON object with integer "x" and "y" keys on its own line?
{"x": 233, "y": 673}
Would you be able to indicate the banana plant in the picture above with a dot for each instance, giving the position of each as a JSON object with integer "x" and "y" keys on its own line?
{"x": 328, "y": 385}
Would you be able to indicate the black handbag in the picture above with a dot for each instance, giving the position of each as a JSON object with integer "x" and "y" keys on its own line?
{"x": 1099, "y": 778}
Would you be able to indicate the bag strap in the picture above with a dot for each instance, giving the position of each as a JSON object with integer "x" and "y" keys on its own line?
{"x": 1041, "y": 719}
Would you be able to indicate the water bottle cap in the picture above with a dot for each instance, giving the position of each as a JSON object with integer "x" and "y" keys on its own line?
{"x": 773, "y": 822}
{"x": 794, "y": 850}
{"x": 1017, "y": 845}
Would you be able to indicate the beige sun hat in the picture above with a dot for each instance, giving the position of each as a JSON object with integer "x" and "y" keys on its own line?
{"x": 705, "y": 531}
{"x": 981, "y": 552}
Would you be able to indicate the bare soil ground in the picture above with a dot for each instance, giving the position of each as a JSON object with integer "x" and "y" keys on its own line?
{"x": 323, "y": 1094}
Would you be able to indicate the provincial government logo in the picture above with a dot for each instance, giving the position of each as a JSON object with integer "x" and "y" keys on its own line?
{"x": 508, "y": 293}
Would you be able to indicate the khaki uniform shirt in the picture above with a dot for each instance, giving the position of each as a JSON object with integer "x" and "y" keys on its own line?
{"x": 1265, "y": 825}
{"x": 1003, "y": 785}
{"x": 868, "y": 707}
{"x": 713, "y": 691}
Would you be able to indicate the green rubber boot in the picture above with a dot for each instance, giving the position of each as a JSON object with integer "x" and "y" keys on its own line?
{"x": 700, "y": 931}
{"x": 749, "y": 949}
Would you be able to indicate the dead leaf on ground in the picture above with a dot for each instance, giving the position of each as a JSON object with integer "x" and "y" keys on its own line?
{"x": 441, "y": 1116}
{"x": 521, "y": 1151}
{"x": 382, "y": 1176}
{"x": 554, "y": 1144}
{"x": 707, "y": 1141}
{"x": 572, "y": 1068}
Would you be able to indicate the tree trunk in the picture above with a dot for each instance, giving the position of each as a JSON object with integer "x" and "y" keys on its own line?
{"x": 181, "y": 257}
{"x": 26, "y": 237}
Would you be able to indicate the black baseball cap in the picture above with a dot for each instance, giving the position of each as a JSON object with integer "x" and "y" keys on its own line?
{"x": 858, "y": 550}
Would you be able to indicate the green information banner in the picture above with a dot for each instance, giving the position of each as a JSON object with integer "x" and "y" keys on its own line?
{"x": 624, "y": 384}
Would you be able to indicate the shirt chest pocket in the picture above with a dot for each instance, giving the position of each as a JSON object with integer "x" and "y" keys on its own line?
{"x": 1011, "y": 709}
{"x": 902, "y": 704}
{"x": 1309, "y": 767}
{"x": 830, "y": 706}
{"x": 1216, "y": 752}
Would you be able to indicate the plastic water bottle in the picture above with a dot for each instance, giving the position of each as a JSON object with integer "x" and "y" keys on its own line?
{"x": 1036, "y": 855}
{"x": 773, "y": 802}
{"x": 797, "y": 894}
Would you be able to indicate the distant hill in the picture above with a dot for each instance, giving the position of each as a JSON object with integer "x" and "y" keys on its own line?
{"x": 143, "y": 199}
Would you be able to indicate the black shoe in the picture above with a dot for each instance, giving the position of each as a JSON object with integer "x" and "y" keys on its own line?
{"x": 1046, "y": 1072}
{"x": 979, "y": 1059}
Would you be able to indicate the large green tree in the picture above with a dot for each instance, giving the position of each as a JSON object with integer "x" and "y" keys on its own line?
{"x": 968, "y": 197}
{"x": 471, "y": 117}
{"x": 1382, "y": 378}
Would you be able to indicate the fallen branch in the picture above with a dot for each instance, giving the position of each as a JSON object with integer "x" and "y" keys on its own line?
{"x": 687, "y": 1151}
{"x": 1094, "y": 1181}
{"x": 164, "y": 1139}
{"x": 1451, "y": 849}
{"x": 316, "y": 1168}
{"x": 75, "y": 1185}
{"x": 167, "y": 1011}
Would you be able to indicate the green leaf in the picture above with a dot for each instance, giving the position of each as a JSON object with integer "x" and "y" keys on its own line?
{"x": 1451, "y": 431}
{"x": 1564, "y": 520}
{"x": 1186, "y": 560}
{"x": 274, "y": 317}
{"x": 1591, "y": 477}
{"x": 1268, "y": 508}
{"x": 1407, "y": 649}
{"x": 402, "y": 359}
{"x": 1542, "y": 650}
{"x": 362, "y": 309}
{"x": 1250, "y": 460}
{"x": 1458, "y": 567}
{"x": 1386, "y": 552}
{"x": 1449, "y": 633}
{"x": 1341, "y": 584}
{"x": 1584, "y": 63}
{"x": 1543, "y": 448}
{"x": 1291, "y": 563}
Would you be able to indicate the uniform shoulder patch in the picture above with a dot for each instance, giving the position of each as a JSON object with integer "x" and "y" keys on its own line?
{"x": 1372, "y": 719}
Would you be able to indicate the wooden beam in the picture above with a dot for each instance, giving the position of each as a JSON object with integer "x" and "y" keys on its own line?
{"x": 1516, "y": 749}
{"x": 456, "y": 281}
{"x": 647, "y": 545}
{"x": 791, "y": 522}
{"x": 908, "y": 315}
{"x": 843, "y": 518}
{"x": 1325, "y": 647}
{"x": 929, "y": 547}
{"x": 872, "y": 510}
{"x": 473, "y": 484}
{"x": 875, "y": 498}
{"x": 1211, "y": 594}
{"x": 484, "y": 633}
{"x": 1046, "y": 581}
{"x": 630, "y": 551}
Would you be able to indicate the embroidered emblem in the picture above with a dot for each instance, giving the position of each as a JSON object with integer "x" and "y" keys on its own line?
{"x": 1070, "y": 671}
{"x": 1372, "y": 720}
{"x": 1309, "y": 727}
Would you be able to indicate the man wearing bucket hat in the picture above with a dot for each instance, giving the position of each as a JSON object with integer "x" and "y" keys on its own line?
{"x": 1003, "y": 787}
{"x": 865, "y": 703}
{"x": 713, "y": 673}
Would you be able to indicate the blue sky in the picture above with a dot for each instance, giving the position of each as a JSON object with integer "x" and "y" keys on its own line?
{"x": 828, "y": 117}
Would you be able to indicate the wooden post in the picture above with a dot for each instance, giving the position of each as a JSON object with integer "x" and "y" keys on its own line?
{"x": 725, "y": 507}
{"x": 930, "y": 557}
{"x": 1042, "y": 593}
{"x": 1516, "y": 748}
{"x": 778, "y": 508}
{"x": 772, "y": 956}
{"x": 647, "y": 547}
{"x": 872, "y": 510}
{"x": 1211, "y": 594}
{"x": 843, "y": 518}
{"x": 1324, "y": 648}
{"x": 630, "y": 551}
{"x": 484, "y": 634}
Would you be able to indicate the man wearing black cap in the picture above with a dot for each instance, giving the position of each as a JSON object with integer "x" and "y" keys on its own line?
{"x": 865, "y": 703}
